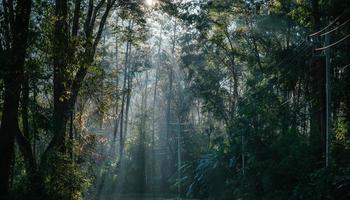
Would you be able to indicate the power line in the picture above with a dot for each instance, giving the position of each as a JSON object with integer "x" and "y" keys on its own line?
{"x": 325, "y": 28}
{"x": 336, "y": 28}
{"x": 331, "y": 45}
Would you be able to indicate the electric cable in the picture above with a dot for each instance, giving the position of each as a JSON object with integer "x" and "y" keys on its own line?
{"x": 336, "y": 28}
{"x": 330, "y": 24}
{"x": 335, "y": 43}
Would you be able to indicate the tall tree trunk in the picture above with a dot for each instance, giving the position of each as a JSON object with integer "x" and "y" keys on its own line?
{"x": 127, "y": 106}
{"x": 126, "y": 96}
{"x": 121, "y": 117}
{"x": 23, "y": 138}
{"x": 122, "y": 112}
{"x": 34, "y": 116}
{"x": 24, "y": 143}
{"x": 71, "y": 135}
{"x": 167, "y": 167}
{"x": 153, "y": 172}
{"x": 318, "y": 114}
{"x": 12, "y": 85}
{"x": 142, "y": 137}
{"x": 24, "y": 105}
{"x": 63, "y": 105}
{"x": 116, "y": 90}
{"x": 60, "y": 63}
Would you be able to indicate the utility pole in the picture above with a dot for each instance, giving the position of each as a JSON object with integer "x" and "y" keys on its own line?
{"x": 327, "y": 53}
{"x": 326, "y": 49}
{"x": 328, "y": 98}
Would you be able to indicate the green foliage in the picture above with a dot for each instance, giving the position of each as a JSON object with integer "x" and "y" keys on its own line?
{"x": 65, "y": 180}
{"x": 268, "y": 128}
{"x": 245, "y": 121}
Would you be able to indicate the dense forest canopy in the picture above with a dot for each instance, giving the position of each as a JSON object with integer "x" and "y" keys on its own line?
{"x": 175, "y": 99}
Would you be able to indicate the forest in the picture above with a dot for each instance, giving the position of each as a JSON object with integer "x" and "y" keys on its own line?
{"x": 174, "y": 99}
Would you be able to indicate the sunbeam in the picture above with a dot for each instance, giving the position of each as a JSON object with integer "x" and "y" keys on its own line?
{"x": 174, "y": 99}
{"x": 149, "y": 3}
